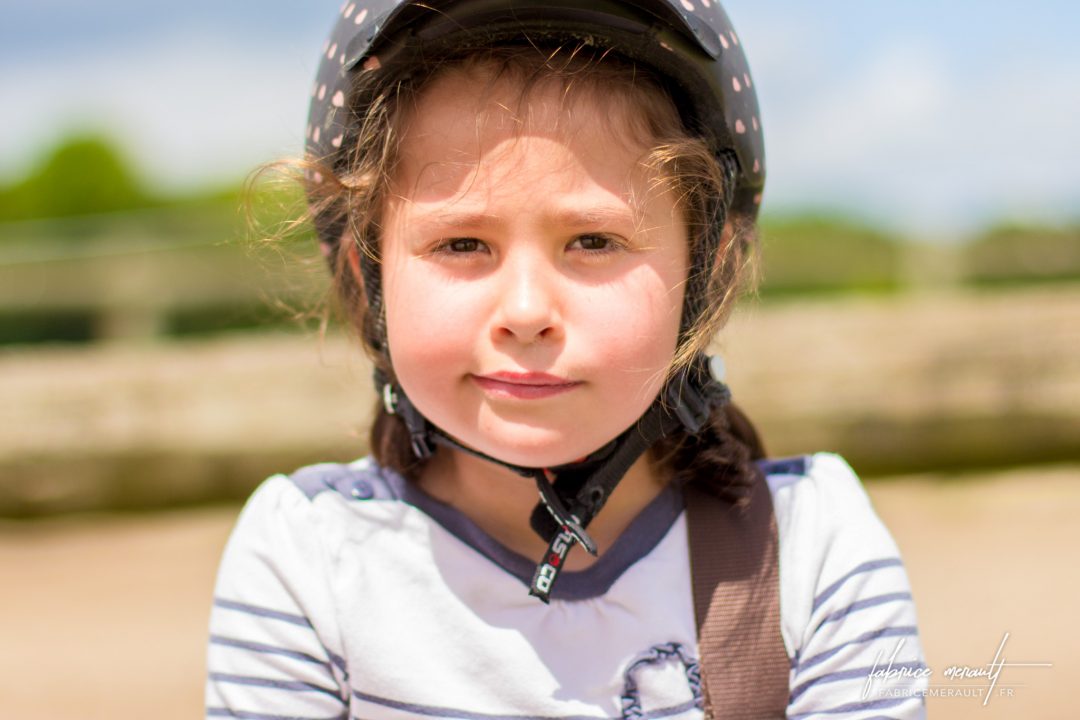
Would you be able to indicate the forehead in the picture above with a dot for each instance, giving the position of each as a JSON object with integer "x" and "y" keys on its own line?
{"x": 473, "y": 132}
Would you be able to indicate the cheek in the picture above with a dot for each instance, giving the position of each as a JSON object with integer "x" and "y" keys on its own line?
{"x": 640, "y": 313}
{"x": 632, "y": 332}
{"x": 432, "y": 331}
{"x": 422, "y": 322}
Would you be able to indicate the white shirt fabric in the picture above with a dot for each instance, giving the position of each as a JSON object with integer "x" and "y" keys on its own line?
{"x": 346, "y": 592}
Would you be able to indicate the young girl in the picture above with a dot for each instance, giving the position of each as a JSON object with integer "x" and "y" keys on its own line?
{"x": 538, "y": 215}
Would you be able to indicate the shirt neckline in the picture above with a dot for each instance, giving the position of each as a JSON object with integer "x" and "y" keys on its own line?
{"x": 639, "y": 538}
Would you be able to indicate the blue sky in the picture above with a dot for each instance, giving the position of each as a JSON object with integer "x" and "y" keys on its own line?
{"x": 931, "y": 117}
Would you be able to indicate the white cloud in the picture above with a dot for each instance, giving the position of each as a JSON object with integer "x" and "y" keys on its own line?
{"x": 913, "y": 123}
{"x": 187, "y": 109}
{"x": 906, "y": 136}
{"x": 861, "y": 136}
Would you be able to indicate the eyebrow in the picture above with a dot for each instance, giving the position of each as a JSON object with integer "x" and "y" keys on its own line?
{"x": 594, "y": 216}
{"x": 456, "y": 219}
{"x": 569, "y": 217}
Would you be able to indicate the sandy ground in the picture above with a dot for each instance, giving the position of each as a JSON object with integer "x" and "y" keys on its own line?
{"x": 105, "y": 616}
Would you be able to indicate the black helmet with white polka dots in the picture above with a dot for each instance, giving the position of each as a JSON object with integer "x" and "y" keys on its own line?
{"x": 691, "y": 43}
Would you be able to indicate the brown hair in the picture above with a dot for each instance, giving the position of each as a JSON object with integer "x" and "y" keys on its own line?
{"x": 350, "y": 196}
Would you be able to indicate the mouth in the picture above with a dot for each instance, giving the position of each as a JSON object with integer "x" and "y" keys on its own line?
{"x": 524, "y": 386}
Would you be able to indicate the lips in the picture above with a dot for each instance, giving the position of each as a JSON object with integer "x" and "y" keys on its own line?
{"x": 524, "y": 386}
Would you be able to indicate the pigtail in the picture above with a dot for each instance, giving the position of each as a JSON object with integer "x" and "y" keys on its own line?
{"x": 720, "y": 459}
{"x": 391, "y": 444}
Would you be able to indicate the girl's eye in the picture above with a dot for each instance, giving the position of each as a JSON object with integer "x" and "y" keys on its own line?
{"x": 462, "y": 245}
{"x": 594, "y": 243}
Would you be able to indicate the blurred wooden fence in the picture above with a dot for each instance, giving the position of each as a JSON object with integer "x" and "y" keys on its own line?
{"x": 131, "y": 279}
{"x": 938, "y": 381}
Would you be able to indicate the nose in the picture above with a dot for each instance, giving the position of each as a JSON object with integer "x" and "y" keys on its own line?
{"x": 529, "y": 301}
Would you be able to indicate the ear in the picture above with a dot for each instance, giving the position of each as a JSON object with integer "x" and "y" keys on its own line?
{"x": 352, "y": 256}
{"x": 739, "y": 236}
{"x": 726, "y": 236}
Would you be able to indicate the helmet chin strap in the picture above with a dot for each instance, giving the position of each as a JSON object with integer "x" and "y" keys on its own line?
{"x": 572, "y": 495}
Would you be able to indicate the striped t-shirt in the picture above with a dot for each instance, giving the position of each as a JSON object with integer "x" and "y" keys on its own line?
{"x": 346, "y": 592}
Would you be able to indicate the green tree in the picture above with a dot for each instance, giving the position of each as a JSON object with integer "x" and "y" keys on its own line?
{"x": 1012, "y": 253}
{"x": 826, "y": 254}
{"x": 83, "y": 175}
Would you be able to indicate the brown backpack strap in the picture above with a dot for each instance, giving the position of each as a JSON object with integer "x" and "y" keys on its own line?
{"x": 734, "y": 563}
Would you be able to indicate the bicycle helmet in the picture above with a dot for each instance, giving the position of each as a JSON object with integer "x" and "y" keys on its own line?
{"x": 692, "y": 46}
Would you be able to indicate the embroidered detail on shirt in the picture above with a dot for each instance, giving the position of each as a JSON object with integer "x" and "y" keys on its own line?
{"x": 658, "y": 654}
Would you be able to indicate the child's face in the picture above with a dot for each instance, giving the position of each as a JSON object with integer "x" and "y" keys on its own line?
{"x": 533, "y": 277}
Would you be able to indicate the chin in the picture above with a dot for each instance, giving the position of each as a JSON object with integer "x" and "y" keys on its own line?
{"x": 538, "y": 448}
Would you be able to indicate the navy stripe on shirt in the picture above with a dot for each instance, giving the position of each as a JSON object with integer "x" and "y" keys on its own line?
{"x": 863, "y": 604}
{"x": 290, "y": 685}
{"x": 226, "y": 712}
{"x": 853, "y": 707}
{"x": 443, "y": 712}
{"x": 868, "y": 566}
{"x": 262, "y": 612}
{"x": 862, "y": 673}
{"x": 900, "y": 631}
{"x": 268, "y": 649}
